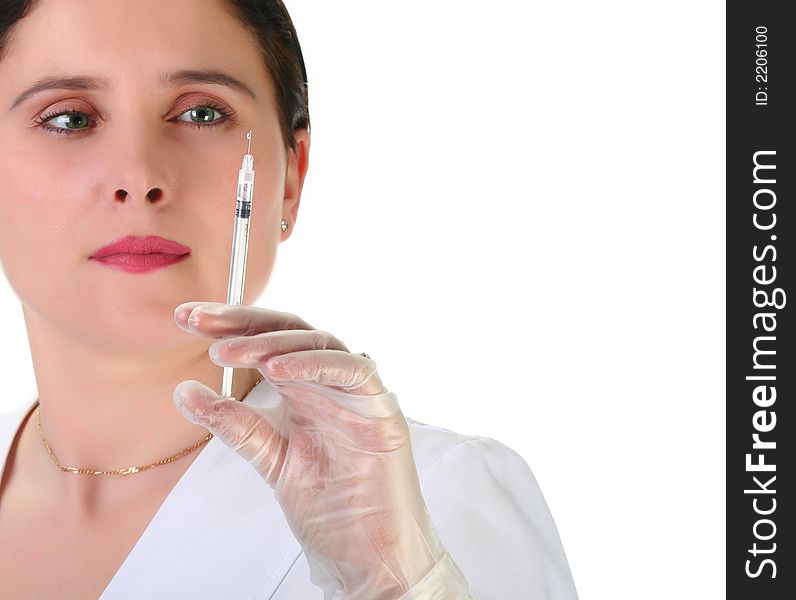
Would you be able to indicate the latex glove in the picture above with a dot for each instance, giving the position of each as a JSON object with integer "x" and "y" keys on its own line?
{"x": 336, "y": 451}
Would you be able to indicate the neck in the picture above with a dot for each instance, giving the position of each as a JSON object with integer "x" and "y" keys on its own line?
{"x": 108, "y": 409}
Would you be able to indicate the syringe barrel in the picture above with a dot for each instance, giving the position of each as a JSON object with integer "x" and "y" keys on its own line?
{"x": 245, "y": 192}
{"x": 237, "y": 263}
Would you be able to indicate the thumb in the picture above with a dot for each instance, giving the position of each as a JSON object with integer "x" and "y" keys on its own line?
{"x": 238, "y": 425}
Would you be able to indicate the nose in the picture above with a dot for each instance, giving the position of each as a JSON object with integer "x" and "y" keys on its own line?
{"x": 138, "y": 167}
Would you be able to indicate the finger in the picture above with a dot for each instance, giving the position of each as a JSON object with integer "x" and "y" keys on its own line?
{"x": 353, "y": 373}
{"x": 254, "y": 350}
{"x": 215, "y": 319}
{"x": 236, "y": 424}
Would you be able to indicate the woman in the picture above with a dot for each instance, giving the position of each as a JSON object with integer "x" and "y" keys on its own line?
{"x": 136, "y": 113}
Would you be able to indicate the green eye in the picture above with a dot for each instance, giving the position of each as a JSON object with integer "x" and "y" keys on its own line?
{"x": 205, "y": 115}
{"x": 202, "y": 114}
{"x": 75, "y": 120}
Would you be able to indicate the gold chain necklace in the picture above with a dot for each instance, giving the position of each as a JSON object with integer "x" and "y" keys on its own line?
{"x": 128, "y": 470}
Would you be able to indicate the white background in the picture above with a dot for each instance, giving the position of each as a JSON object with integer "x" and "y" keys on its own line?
{"x": 517, "y": 209}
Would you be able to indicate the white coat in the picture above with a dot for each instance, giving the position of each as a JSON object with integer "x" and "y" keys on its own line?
{"x": 220, "y": 534}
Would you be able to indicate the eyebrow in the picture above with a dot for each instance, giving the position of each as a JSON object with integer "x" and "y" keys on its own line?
{"x": 92, "y": 82}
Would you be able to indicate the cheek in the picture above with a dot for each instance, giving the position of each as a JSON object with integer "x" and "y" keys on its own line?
{"x": 209, "y": 232}
{"x": 38, "y": 224}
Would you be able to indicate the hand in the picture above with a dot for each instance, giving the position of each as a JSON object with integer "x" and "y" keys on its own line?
{"x": 336, "y": 450}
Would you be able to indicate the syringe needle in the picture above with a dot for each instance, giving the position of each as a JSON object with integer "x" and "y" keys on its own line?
{"x": 249, "y": 137}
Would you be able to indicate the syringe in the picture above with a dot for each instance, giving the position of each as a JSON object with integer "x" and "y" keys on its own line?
{"x": 240, "y": 246}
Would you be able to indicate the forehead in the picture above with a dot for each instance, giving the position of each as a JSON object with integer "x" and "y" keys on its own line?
{"x": 134, "y": 41}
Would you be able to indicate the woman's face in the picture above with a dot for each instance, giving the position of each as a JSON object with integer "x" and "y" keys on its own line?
{"x": 134, "y": 159}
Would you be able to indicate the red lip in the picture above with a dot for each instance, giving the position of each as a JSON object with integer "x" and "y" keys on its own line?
{"x": 151, "y": 244}
{"x": 141, "y": 254}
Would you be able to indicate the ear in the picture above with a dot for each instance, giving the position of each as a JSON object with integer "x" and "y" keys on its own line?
{"x": 297, "y": 163}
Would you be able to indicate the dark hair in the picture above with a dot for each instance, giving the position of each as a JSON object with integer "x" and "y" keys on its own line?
{"x": 271, "y": 30}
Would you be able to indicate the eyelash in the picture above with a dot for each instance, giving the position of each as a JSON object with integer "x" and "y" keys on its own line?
{"x": 41, "y": 121}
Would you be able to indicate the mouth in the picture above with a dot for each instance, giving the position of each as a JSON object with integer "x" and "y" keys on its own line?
{"x": 141, "y": 254}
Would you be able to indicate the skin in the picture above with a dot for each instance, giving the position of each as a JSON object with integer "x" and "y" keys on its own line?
{"x": 106, "y": 350}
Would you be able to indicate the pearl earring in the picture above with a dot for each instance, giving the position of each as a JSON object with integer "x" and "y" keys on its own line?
{"x": 284, "y": 225}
